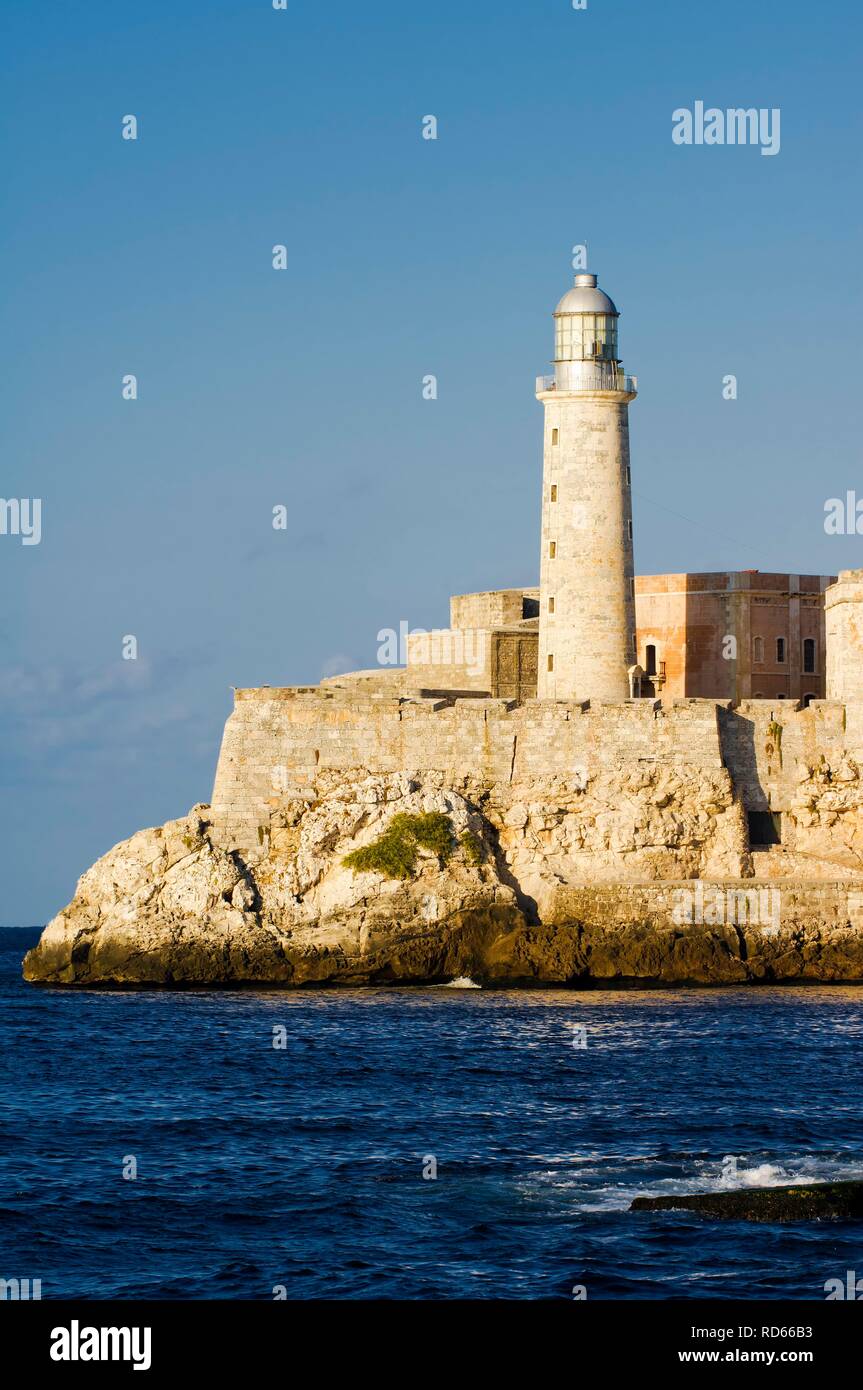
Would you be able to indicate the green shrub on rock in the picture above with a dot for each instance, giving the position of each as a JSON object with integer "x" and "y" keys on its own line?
{"x": 394, "y": 853}
{"x": 472, "y": 846}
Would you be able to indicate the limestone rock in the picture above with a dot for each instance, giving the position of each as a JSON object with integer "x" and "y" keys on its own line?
{"x": 549, "y": 881}
{"x": 174, "y": 906}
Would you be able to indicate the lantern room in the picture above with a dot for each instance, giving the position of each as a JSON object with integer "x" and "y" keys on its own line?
{"x": 586, "y": 349}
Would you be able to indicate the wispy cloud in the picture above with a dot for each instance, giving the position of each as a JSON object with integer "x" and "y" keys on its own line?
{"x": 50, "y": 713}
{"x": 337, "y": 664}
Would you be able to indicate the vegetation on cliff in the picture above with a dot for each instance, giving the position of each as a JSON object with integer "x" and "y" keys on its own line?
{"x": 394, "y": 853}
{"x": 472, "y": 847}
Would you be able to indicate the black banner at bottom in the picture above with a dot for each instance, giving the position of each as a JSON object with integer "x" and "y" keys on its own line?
{"x": 164, "y": 1339}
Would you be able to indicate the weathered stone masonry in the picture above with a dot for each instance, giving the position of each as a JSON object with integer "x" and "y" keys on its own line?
{"x": 278, "y": 739}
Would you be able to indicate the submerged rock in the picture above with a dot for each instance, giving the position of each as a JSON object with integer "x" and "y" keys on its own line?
{"x": 804, "y": 1202}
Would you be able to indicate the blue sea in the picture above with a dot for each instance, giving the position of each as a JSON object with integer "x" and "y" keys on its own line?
{"x": 435, "y": 1143}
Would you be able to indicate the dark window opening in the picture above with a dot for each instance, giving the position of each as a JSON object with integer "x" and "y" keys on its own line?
{"x": 765, "y": 827}
{"x": 780, "y": 649}
{"x": 807, "y": 700}
{"x": 650, "y": 660}
{"x": 809, "y": 655}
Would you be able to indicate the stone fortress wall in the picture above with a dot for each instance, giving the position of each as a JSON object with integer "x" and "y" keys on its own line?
{"x": 276, "y": 740}
{"x": 776, "y": 757}
{"x": 386, "y": 720}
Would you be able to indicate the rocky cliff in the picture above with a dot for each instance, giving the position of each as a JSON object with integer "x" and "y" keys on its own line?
{"x": 544, "y": 881}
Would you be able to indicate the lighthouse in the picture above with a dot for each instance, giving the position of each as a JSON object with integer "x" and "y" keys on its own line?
{"x": 587, "y": 601}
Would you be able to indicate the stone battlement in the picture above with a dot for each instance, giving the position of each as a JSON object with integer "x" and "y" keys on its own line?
{"x": 278, "y": 738}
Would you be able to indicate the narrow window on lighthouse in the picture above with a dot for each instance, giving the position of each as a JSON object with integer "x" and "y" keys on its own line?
{"x": 555, "y": 436}
{"x": 554, "y": 492}
{"x": 808, "y": 654}
{"x": 551, "y": 605}
{"x": 629, "y": 529}
{"x": 552, "y": 549}
{"x": 550, "y": 662}
{"x": 628, "y": 474}
{"x": 780, "y": 650}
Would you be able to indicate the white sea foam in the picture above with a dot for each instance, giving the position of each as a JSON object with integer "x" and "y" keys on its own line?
{"x": 463, "y": 982}
{"x": 734, "y": 1177}
{"x": 733, "y": 1173}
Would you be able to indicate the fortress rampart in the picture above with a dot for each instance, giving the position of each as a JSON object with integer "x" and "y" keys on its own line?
{"x": 277, "y": 740}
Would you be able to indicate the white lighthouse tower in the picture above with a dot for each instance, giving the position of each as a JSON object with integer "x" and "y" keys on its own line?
{"x": 587, "y": 603}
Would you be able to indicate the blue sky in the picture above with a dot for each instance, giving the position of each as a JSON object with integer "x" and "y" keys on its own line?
{"x": 303, "y": 387}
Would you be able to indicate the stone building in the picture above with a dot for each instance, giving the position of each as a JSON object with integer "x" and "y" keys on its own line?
{"x": 729, "y": 636}
{"x": 490, "y": 646}
{"x": 732, "y": 636}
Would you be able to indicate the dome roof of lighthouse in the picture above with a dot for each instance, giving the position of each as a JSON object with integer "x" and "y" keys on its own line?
{"x": 585, "y": 298}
